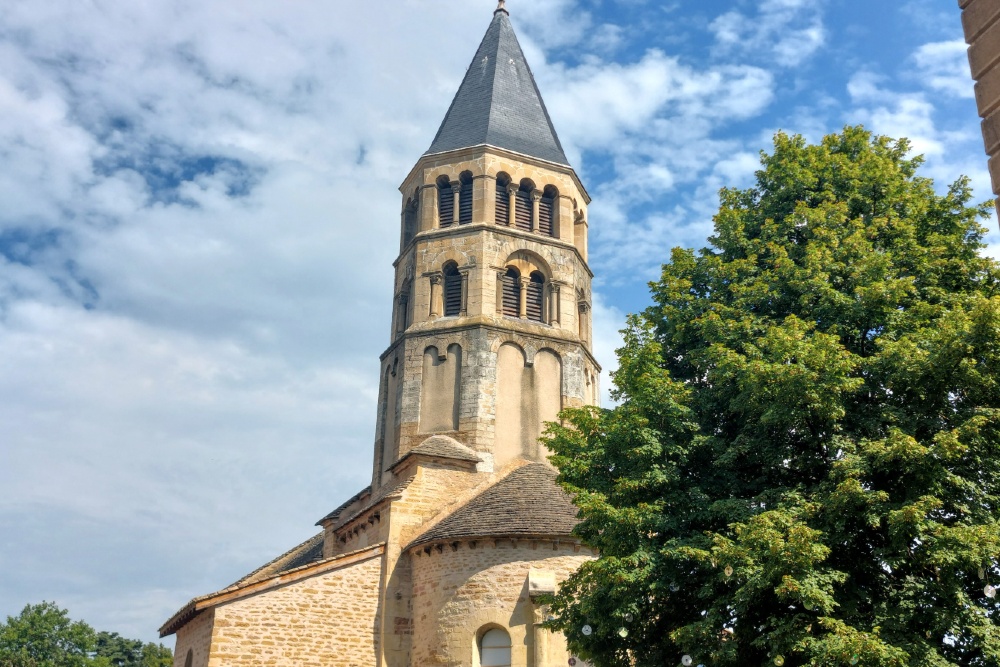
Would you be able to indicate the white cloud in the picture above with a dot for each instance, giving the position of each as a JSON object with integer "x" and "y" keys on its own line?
{"x": 944, "y": 67}
{"x": 788, "y": 32}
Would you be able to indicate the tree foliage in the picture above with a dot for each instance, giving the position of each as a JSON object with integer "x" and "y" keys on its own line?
{"x": 43, "y": 635}
{"x": 804, "y": 465}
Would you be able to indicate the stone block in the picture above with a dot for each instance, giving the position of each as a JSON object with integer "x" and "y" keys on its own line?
{"x": 985, "y": 51}
{"x": 991, "y": 132}
{"x": 988, "y": 92}
{"x": 978, "y": 16}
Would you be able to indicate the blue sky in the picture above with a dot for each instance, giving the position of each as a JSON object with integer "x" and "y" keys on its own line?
{"x": 198, "y": 215}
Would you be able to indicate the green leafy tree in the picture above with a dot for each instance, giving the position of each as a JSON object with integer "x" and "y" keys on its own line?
{"x": 804, "y": 466}
{"x": 43, "y": 635}
{"x": 122, "y": 652}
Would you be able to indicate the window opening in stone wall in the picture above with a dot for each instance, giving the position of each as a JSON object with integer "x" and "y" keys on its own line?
{"x": 452, "y": 290}
{"x": 465, "y": 198}
{"x": 535, "y": 297}
{"x": 189, "y": 660}
{"x": 523, "y": 206}
{"x": 512, "y": 293}
{"x": 409, "y": 221}
{"x": 547, "y": 211}
{"x": 494, "y": 648}
{"x": 503, "y": 199}
{"x": 446, "y": 202}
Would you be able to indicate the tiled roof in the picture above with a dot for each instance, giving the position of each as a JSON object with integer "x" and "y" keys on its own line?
{"x": 308, "y": 552}
{"x": 444, "y": 447}
{"x": 343, "y": 507}
{"x": 498, "y": 102}
{"x": 383, "y": 493}
{"x": 526, "y": 502}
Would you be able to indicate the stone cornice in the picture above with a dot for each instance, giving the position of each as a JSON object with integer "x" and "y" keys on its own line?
{"x": 458, "y": 324}
{"x": 503, "y": 230}
{"x": 472, "y": 152}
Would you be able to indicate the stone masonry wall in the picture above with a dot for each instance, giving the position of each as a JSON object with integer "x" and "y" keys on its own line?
{"x": 460, "y": 589}
{"x": 327, "y": 620}
{"x": 195, "y": 636}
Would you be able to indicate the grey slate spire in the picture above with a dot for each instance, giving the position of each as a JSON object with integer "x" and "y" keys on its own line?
{"x": 498, "y": 102}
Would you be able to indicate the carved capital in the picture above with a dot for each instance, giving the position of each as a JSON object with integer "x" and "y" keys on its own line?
{"x": 536, "y": 195}
{"x": 511, "y": 189}
{"x": 456, "y": 187}
{"x": 436, "y": 278}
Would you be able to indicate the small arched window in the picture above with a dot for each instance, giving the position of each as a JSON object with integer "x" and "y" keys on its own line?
{"x": 522, "y": 205}
{"x": 452, "y": 290}
{"x": 446, "y": 202}
{"x": 494, "y": 648}
{"x": 547, "y": 211}
{"x": 465, "y": 198}
{"x": 409, "y": 221}
{"x": 503, "y": 199}
{"x": 189, "y": 660}
{"x": 511, "y": 293}
{"x": 536, "y": 297}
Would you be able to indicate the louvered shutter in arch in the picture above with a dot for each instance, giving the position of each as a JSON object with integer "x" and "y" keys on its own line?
{"x": 511, "y": 294}
{"x": 503, "y": 202}
{"x": 446, "y": 205}
{"x": 535, "y": 296}
{"x": 522, "y": 210}
{"x": 452, "y": 292}
{"x": 465, "y": 204}
{"x": 409, "y": 224}
{"x": 545, "y": 210}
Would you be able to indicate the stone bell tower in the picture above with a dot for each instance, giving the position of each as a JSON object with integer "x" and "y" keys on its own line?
{"x": 491, "y": 332}
{"x": 445, "y": 559}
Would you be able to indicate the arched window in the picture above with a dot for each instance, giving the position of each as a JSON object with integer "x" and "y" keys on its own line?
{"x": 465, "y": 198}
{"x": 409, "y": 221}
{"x": 494, "y": 648}
{"x": 536, "y": 297}
{"x": 547, "y": 211}
{"x": 446, "y": 202}
{"x": 452, "y": 290}
{"x": 511, "y": 293}
{"x": 522, "y": 205}
{"x": 189, "y": 660}
{"x": 503, "y": 199}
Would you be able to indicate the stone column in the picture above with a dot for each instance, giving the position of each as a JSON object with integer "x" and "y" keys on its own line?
{"x": 523, "y": 285}
{"x": 456, "y": 192}
{"x": 511, "y": 204}
{"x": 465, "y": 292}
{"x": 540, "y": 582}
{"x": 500, "y": 277}
{"x": 554, "y": 304}
{"x": 536, "y": 198}
{"x": 584, "y": 323}
{"x": 436, "y": 279}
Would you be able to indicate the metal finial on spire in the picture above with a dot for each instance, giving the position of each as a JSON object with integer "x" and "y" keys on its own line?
{"x": 501, "y": 7}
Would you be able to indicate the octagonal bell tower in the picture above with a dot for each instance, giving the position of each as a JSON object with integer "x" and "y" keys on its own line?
{"x": 491, "y": 331}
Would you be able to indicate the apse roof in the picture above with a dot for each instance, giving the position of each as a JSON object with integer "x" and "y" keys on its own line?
{"x": 526, "y": 502}
{"x": 498, "y": 103}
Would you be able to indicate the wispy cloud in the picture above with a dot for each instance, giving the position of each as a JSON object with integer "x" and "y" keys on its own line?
{"x": 787, "y": 32}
